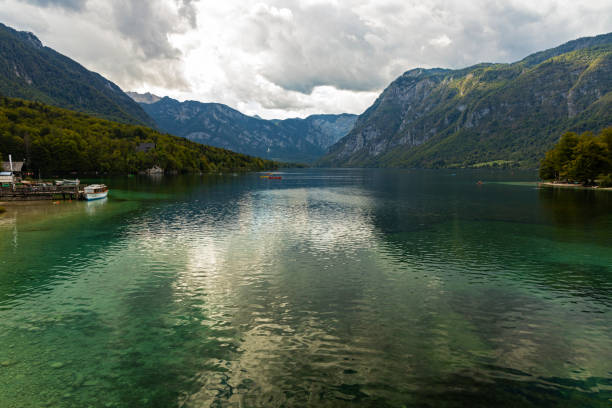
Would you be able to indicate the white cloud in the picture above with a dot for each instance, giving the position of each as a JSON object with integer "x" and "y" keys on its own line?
{"x": 281, "y": 58}
{"x": 441, "y": 41}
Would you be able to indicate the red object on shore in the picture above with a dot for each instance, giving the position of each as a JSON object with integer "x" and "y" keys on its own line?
{"x": 275, "y": 177}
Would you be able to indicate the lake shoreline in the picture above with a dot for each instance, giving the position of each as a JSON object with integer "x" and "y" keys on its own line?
{"x": 573, "y": 186}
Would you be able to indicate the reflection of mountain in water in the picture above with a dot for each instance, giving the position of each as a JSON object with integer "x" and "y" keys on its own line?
{"x": 330, "y": 288}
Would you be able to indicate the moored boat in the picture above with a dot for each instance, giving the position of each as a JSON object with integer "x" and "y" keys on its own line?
{"x": 95, "y": 192}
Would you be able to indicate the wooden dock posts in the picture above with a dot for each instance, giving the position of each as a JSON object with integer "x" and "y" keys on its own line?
{"x": 34, "y": 192}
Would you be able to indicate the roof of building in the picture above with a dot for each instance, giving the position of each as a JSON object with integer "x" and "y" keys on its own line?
{"x": 6, "y": 166}
{"x": 5, "y": 173}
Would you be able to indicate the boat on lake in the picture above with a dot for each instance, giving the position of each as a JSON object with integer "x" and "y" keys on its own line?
{"x": 95, "y": 192}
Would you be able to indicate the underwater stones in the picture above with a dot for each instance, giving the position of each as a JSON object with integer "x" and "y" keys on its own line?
{"x": 57, "y": 365}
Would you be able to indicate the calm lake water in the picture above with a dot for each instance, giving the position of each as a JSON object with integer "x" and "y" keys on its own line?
{"x": 329, "y": 288}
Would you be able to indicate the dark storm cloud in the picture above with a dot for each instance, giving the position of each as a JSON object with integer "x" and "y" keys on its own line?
{"x": 361, "y": 45}
{"x": 306, "y": 46}
{"x": 312, "y": 46}
{"x": 296, "y": 55}
{"x": 128, "y": 40}
{"x": 66, "y": 4}
{"x": 148, "y": 23}
{"x": 188, "y": 11}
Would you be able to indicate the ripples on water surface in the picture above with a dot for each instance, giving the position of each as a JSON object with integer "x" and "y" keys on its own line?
{"x": 328, "y": 288}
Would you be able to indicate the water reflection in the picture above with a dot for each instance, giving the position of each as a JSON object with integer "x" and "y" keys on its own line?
{"x": 328, "y": 289}
{"x": 95, "y": 205}
{"x": 296, "y": 325}
{"x": 575, "y": 207}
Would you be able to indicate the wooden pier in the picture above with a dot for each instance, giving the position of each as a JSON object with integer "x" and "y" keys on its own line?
{"x": 35, "y": 192}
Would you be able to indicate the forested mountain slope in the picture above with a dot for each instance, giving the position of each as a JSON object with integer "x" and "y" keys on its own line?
{"x": 32, "y": 71}
{"x": 488, "y": 114}
{"x": 58, "y": 141}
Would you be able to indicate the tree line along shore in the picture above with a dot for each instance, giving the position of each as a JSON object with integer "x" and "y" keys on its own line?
{"x": 56, "y": 141}
{"x": 580, "y": 160}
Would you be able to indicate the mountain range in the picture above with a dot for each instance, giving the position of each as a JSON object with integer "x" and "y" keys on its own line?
{"x": 29, "y": 70}
{"x": 74, "y": 121}
{"x": 487, "y": 114}
{"x": 484, "y": 115}
{"x": 215, "y": 124}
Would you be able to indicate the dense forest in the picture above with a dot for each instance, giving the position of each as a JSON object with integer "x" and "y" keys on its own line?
{"x": 584, "y": 158}
{"x": 31, "y": 71}
{"x": 56, "y": 141}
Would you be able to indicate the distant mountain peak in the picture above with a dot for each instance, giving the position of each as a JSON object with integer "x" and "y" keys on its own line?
{"x": 31, "y": 38}
{"x": 293, "y": 140}
{"x": 146, "y": 97}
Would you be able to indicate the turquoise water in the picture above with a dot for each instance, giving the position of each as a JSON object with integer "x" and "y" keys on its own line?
{"x": 330, "y": 288}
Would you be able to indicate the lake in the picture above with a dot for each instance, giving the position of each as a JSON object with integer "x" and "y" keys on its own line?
{"x": 328, "y": 288}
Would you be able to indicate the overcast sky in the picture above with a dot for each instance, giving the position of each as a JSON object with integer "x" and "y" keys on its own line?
{"x": 293, "y": 58}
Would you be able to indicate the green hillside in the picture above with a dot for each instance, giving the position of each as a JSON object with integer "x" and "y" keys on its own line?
{"x": 488, "y": 114}
{"x": 57, "y": 141}
{"x": 29, "y": 70}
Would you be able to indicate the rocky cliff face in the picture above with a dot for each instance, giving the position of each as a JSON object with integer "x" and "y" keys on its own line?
{"x": 294, "y": 140}
{"x": 29, "y": 70}
{"x": 143, "y": 98}
{"x": 488, "y": 113}
{"x": 320, "y": 130}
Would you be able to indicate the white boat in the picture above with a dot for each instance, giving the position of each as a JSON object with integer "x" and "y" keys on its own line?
{"x": 95, "y": 192}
